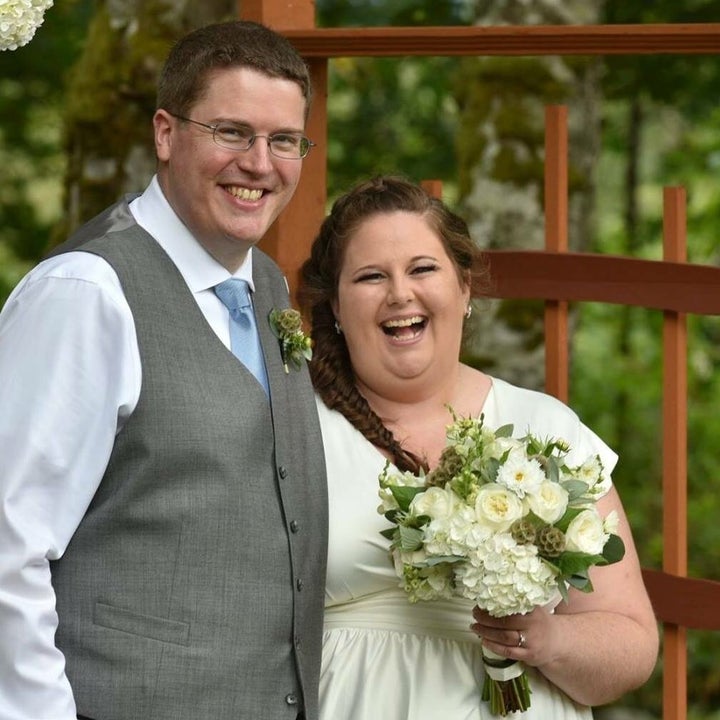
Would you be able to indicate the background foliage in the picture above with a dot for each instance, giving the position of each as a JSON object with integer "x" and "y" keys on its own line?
{"x": 658, "y": 120}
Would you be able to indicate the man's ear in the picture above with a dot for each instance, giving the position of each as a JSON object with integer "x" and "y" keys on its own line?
{"x": 163, "y": 127}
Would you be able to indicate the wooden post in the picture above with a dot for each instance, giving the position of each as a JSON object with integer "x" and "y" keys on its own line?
{"x": 288, "y": 240}
{"x": 556, "y": 240}
{"x": 674, "y": 458}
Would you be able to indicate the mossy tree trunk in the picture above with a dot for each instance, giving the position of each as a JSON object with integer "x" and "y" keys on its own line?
{"x": 111, "y": 99}
{"x": 501, "y": 152}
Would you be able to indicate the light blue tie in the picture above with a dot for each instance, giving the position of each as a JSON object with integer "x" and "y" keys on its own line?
{"x": 244, "y": 339}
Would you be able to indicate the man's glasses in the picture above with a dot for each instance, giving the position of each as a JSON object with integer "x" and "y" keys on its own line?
{"x": 231, "y": 136}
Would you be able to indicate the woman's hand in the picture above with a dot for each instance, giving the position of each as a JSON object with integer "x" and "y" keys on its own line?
{"x": 531, "y": 638}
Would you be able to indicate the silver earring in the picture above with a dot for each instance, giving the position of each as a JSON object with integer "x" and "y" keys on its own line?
{"x": 468, "y": 312}
{"x": 338, "y": 329}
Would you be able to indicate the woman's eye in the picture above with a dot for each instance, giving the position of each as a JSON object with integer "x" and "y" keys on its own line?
{"x": 369, "y": 277}
{"x": 420, "y": 269}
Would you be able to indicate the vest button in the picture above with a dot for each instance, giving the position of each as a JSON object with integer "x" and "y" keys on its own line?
{"x": 282, "y": 472}
{"x": 294, "y": 526}
{"x": 291, "y": 699}
{"x": 299, "y": 584}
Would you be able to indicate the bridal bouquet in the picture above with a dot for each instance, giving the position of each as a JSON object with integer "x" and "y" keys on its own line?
{"x": 505, "y": 522}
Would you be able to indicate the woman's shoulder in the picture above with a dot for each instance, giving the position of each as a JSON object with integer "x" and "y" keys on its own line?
{"x": 527, "y": 400}
{"x": 543, "y": 415}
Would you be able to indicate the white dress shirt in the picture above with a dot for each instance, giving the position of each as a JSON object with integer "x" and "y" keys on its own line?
{"x": 70, "y": 377}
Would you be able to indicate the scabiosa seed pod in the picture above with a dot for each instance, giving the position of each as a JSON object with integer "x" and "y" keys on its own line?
{"x": 450, "y": 464}
{"x": 523, "y": 531}
{"x": 550, "y": 541}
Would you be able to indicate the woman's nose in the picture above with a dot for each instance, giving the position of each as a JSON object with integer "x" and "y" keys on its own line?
{"x": 399, "y": 292}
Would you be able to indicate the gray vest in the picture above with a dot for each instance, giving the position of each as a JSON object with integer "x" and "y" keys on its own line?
{"x": 193, "y": 587}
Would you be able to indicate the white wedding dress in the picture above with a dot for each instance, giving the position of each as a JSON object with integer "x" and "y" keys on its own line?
{"x": 383, "y": 657}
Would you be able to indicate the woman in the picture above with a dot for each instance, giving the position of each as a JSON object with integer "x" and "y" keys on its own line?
{"x": 388, "y": 288}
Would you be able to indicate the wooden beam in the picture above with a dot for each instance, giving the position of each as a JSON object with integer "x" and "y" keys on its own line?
{"x": 557, "y": 369}
{"x": 662, "y": 39}
{"x": 654, "y": 284}
{"x": 279, "y": 14}
{"x": 289, "y": 239}
{"x": 674, "y": 451}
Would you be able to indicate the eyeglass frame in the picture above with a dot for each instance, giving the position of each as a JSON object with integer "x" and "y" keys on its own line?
{"x": 214, "y": 127}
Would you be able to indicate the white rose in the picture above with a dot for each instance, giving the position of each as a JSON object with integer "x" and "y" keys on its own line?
{"x": 497, "y": 506}
{"x": 438, "y": 503}
{"x": 586, "y": 533}
{"x": 549, "y": 502}
{"x": 520, "y": 474}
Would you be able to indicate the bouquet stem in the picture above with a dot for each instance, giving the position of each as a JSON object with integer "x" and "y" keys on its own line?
{"x": 506, "y": 686}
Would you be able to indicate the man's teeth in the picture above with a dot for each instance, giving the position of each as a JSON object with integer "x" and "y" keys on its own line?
{"x": 245, "y": 193}
{"x": 406, "y": 322}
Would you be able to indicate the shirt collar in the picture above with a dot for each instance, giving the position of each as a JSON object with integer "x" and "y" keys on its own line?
{"x": 200, "y": 270}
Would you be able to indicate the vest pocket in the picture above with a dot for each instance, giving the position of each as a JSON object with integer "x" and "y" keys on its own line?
{"x": 149, "y": 626}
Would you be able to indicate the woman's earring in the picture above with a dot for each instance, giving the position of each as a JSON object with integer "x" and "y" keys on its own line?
{"x": 468, "y": 312}
{"x": 338, "y": 329}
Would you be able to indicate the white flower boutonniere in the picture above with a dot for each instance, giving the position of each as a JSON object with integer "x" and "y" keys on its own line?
{"x": 295, "y": 345}
{"x": 19, "y": 19}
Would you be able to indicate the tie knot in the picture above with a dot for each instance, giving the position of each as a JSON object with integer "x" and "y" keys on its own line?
{"x": 234, "y": 294}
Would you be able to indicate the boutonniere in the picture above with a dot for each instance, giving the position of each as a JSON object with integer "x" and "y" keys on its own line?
{"x": 295, "y": 345}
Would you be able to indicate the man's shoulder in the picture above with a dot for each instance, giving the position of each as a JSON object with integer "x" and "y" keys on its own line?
{"x": 113, "y": 219}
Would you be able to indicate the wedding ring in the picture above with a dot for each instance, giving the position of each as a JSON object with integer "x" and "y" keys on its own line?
{"x": 521, "y": 640}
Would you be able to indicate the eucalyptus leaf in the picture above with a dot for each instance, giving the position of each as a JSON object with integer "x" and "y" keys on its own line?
{"x": 410, "y": 539}
{"x": 575, "y": 488}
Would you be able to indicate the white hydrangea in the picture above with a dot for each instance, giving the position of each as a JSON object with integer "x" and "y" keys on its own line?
{"x": 19, "y": 19}
{"x": 506, "y": 578}
{"x": 456, "y": 534}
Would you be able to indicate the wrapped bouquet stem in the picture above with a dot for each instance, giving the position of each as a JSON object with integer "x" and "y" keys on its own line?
{"x": 505, "y": 522}
{"x": 506, "y": 686}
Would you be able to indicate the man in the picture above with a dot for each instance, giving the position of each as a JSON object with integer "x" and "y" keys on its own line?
{"x": 163, "y": 510}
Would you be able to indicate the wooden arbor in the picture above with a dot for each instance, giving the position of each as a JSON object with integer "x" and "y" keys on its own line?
{"x": 556, "y": 276}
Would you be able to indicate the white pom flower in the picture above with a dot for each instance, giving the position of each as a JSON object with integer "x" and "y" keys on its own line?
{"x": 520, "y": 474}
{"x": 19, "y": 19}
